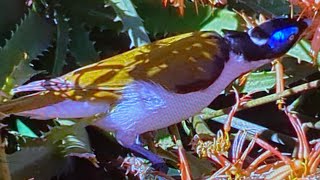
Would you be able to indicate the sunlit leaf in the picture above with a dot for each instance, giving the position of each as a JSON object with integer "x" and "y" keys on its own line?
{"x": 153, "y": 12}
{"x": 132, "y": 23}
{"x": 31, "y": 37}
{"x": 301, "y": 51}
{"x": 24, "y": 130}
{"x": 223, "y": 19}
{"x": 259, "y": 81}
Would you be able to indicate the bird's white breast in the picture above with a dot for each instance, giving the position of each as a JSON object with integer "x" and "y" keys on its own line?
{"x": 147, "y": 106}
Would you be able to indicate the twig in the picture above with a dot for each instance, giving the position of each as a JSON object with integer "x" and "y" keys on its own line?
{"x": 184, "y": 164}
{"x": 4, "y": 169}
{"x": 265, "y": 99}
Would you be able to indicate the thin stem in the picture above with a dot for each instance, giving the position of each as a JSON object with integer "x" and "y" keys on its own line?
{"x": 265, "y": 99}
{"x": 4, "y": 169}
{"x": 184, "y": 165}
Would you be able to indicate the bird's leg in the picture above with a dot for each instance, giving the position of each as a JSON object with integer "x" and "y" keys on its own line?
{"x": 128, "y": 141}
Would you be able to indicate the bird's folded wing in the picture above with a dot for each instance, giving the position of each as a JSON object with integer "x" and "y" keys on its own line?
{"x": 181, "y": 64}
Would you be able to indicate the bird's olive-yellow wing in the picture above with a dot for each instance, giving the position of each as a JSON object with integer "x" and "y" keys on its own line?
{"x": 181, "y": 64}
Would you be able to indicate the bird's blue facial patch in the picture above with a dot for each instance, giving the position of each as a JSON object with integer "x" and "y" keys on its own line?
{"x": 283, "y": 36}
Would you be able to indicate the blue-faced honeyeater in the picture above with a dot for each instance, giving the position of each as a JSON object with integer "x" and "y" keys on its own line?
{"x": 159, "y": 84}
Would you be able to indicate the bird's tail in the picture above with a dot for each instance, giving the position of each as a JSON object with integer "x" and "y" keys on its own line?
{"x": 29, "y": 102}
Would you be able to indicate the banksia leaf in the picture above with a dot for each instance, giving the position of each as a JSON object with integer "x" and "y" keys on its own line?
{"x": 81, "y": 47}
{"x": 36, "y": 159}
{"x": 91, "y": 12}
{"x": 61, "y": 44}
{"x": 19, "y": 75}
{"x": 131, "y": 21}
{"x": 153, "y": 12}
{"x": 31, "y": 37}
{"x": 67, "y": 139}
{"x": 266, "y": 7}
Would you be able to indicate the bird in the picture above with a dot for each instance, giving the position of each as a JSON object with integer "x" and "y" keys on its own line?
{"x": 158, "y": 84}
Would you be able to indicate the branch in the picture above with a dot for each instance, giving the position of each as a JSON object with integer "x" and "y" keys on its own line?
{"x": 265, "y": 99}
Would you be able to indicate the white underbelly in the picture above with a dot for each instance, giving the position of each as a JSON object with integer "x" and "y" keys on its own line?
{"x": 67, "y": 109}
{"x": 147, "y": 106}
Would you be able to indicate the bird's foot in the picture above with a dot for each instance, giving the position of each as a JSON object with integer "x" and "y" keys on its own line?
{"x": 138, "y": 166}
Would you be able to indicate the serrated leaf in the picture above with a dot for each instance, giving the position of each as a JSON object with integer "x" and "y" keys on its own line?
{"x": 24, "y": 130}
{"x": 223, "y": 19}
{"x": 9, "y": 19}
{"x": 131, "y": 21}
{"x": 20, "y": 74}
{"x": 301, "y": 51}
{"x": 61, "y": 44}
{"x": 81, "y": 47}
{"x": 158, "y": 19}
{"x": 93, "y": 13}
{"x": 61, "y": 131}
{"x": 31, "y": 37}
{"x": 69, "y": 139}
{"x": 32, "y": 161}
{"x": 259, "y": 81}
{"x": 266, "y": 7}
{"x": 296, "y": 71}
{"x": 164, "y": 139}
{"x": 72, "y": 139}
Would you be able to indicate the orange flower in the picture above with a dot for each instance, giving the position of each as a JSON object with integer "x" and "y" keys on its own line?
{"x": 310, "y": 9}
{"x": 180, "y": 3}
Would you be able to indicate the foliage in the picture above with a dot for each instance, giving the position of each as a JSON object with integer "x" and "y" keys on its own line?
{"x": 42, "y": 38}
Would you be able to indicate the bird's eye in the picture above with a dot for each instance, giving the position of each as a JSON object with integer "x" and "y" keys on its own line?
{"x": 291, "y": 38}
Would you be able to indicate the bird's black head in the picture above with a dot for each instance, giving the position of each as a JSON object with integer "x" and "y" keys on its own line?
{"x": 269, "y": 40}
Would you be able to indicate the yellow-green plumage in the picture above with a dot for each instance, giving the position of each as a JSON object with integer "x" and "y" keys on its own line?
{"x": 171, "y": 62}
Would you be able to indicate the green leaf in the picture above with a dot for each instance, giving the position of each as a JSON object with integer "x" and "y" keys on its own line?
{"x": 259, "y": 81}
{"x": 93, "y": 13}
{"x": 173, "y": 172}
{"x": 24, "y": 130}
{"x": 61, "y": 44}
{"x": 301, "y": 51}
{"x": 36, "y": 159}
{"x": 164, "y": 139}
{"x": 11, "y": 11}
{"x": 296, "y": 71}
{"x": 81, "y": 47}
{"x": 223, "y": 19}
{"x": 198, "y": 167}
{"x": 131, "y": 21}
{"x": 65, "y": 122}
{"x": 70, "y": 138}
{"x": 20, "y": 74}
{"x": 163, "y": 20}
{"x": 31, "y": 37}
{"x": 266, "y": 7}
